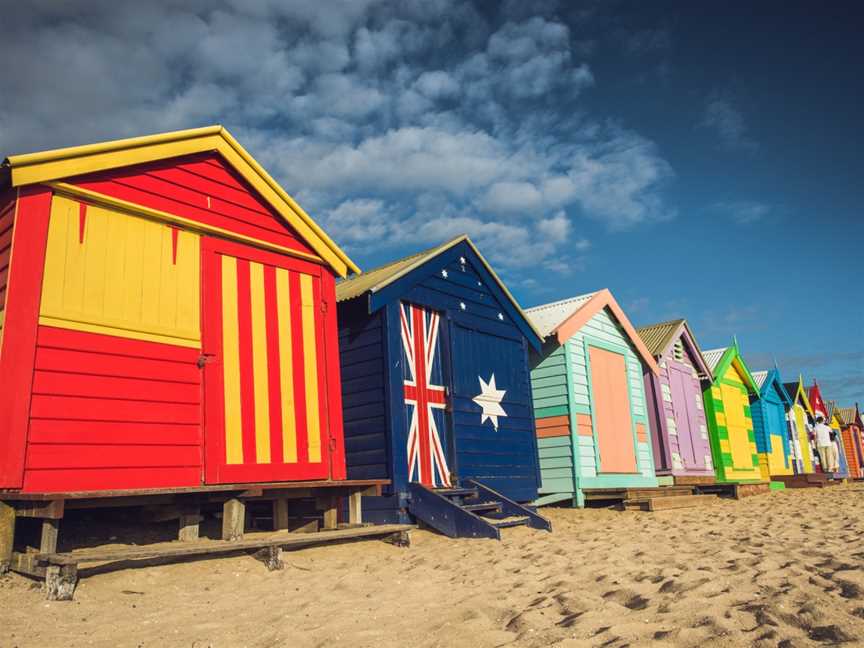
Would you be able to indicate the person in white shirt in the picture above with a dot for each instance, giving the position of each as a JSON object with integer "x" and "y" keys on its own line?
{"x": 828, "y": 454}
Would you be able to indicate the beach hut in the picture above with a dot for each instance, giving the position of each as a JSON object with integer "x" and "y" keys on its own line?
{"x": 821, "y": 408}
{"x": 773, "y": 439}
{"x": 589, "y": 399}
{"x": 853, "y": 439}
{"x": 800, "y": 420}
{"x": 168, "y": 328}
{"x": 436, "y": 392}
{"x": 727, "y": 409}
{"x": 835, "y": 422}
{"x": 679, "y": 431}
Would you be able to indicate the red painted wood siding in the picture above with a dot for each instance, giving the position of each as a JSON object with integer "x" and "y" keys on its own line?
{"x": 199, "y": 187}
{"x": 112, "y": 413}
{"x": 7, "y": 214}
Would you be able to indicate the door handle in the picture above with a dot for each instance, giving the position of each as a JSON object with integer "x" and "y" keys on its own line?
{"x": 204, "y": 359}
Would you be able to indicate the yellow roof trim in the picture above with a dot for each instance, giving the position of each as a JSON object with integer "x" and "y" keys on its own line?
{"x": 55, "y": 165}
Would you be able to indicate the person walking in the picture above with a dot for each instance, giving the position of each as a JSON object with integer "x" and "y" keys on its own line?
{"x": 827, "y": 449}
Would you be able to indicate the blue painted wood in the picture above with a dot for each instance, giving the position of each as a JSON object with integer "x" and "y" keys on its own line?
{"x": 449, "y": 260}
{"x": 509, "y": 507}
{"x": 487, "y": 336}
{"x": 446, "y": 516}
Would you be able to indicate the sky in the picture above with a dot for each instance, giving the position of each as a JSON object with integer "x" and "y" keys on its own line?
{"x": 701, "y": 160}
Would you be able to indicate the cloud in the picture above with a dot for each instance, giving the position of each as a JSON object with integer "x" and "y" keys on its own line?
{"x": 721, "y": 116}
{"x": 744, "y": 212}
{"x": 394, "y": 123}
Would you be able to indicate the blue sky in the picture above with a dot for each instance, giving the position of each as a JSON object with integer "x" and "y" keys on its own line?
{"x": 700, "y": 162}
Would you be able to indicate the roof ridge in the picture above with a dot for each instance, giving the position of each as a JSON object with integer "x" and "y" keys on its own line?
{"x": 676, "y": 322}
{"x": 561, "y": 302}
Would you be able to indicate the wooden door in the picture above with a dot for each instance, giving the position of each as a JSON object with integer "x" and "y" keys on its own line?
{"x": 734, "y": 401}
{"x": 686, "y": 420}
{"x": 265, "y": 393}
{"x": 425, "y": 395}
{"x": 611, "y": 408}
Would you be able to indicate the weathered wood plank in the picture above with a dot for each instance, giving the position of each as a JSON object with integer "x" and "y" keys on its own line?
{"x": 7, "y": 535}
{"x": 280, "y": 514}
{"x": 190, "y": 523}
{"x": 50, "y": 535}
{"x": 52, "y": 509}
{"x": 233, "y": 519}
{"x": 355, "y": 508}
{"x": 203, "y": 547}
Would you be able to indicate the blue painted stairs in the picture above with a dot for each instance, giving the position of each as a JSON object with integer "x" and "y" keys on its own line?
{"x": 471, "y": 510}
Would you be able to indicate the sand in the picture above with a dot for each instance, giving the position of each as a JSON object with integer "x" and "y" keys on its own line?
{"x": 782, "y": 569}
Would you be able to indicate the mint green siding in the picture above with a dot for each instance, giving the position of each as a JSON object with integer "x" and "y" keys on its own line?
{"x": 561, "y": 385}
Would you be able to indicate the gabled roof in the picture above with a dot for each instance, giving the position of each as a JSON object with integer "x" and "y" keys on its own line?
{"x": 833, "y": 410}
{"x": 375, "y": 281}
{"x": 720, "y": 359}
{"x": 797, "y": 392}
{"x": 847, "y": 415}
{"x": 764, "y": 380}
{"x": 659, "y": 337}
{"x": 51, "y": 167}
{"x": 563, "y": 318}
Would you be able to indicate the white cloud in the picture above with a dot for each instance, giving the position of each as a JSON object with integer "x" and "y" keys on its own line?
{"x": 744, "y": 212}
{"x": 395, "y": 123}
{"x": 727, "y": 121}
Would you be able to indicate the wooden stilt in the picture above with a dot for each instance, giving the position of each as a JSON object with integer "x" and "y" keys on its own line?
{"x": 60, "y": 581}
{"x": 190, "y": 524}
{"x": 274, "y": 558}
{"x": 331, "y": 513}
{"x": 355, "y": 508}
{"x": 280, "y": 514}
{"x": 233, "y": 519}
{"x": 50, "y": 534}
{"x": 7, "y": 535}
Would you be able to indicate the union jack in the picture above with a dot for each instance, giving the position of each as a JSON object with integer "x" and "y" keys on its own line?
{"x": 426, "y": 461}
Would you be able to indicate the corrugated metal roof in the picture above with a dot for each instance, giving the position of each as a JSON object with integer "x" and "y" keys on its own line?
{"x": 847, "y": 415}
{"x": 759, "y": 377}
{"x": 831, "y": 406}
{"x": 658, "y": 336}
{"x": 547, "y": 317}
{"x": 712, "y": 357}
{"x": 381, "y": 276}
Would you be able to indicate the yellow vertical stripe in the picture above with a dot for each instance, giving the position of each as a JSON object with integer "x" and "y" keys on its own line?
{"x": 286, "y": 368}
{"x": 310, "y": 369}
{"x": 259, "y": 363}
{"x": 231, "y": 363}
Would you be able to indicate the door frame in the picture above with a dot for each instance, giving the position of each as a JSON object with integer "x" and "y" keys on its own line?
{"x": 212, "y": 385}
{"x": 587, "y": 342}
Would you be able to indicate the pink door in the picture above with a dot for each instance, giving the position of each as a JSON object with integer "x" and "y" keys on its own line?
{"x": 611, "y": 407}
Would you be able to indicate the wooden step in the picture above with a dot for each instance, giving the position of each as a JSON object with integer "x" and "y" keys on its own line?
{"x": 666, "y": 503}
{"x": 622, "y": 494}
{"x": 483, "y": 508}
{"x": 457, "y": 492}
{"x": 511, "y": 522}
{"x": 694, "y": 480}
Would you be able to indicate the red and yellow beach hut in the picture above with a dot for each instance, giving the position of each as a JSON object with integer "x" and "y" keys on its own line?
{"x": 168, "y": 320}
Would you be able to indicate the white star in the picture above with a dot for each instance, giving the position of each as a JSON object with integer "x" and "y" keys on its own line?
{"x": 462, "y": 260}
{"x": 462, "y": 305}
{"x": 501, "y": 316}
{"x": 444, "y": 273}
{"x": 489, "y": 399}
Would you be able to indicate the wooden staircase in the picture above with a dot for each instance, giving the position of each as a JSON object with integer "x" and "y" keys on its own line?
{"x": 810, "y": 480}
{"x": 471, "y": 510}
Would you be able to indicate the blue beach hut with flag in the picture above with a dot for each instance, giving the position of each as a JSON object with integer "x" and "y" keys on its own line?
{"x": 436, "y": 393}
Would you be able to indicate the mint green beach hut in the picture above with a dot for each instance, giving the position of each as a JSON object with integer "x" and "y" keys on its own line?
{"x": 589, "y": 399}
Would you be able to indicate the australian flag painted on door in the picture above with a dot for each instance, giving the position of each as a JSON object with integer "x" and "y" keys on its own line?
{"x": 434, "y": 362}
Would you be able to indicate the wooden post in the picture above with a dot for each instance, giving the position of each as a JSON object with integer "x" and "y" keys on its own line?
{"x": 355, "y": 508}
{"x": 60, "y": 582}
{"x": 331, "y": 514}
{"x": 50, "y": 533}
{"x": 233, "y": 519}
{"x": 190, "y": 521}
{"x": 274, "y": 558}
{"x": 7, "y": 535}
{"x": 280, "y": 514}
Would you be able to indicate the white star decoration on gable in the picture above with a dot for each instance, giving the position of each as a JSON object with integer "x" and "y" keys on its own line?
{"x": 489, "y": 399}
{"x": 444, "y": 273}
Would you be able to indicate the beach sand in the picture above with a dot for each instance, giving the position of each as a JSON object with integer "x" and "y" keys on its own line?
{"x": 782, "y": 569}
